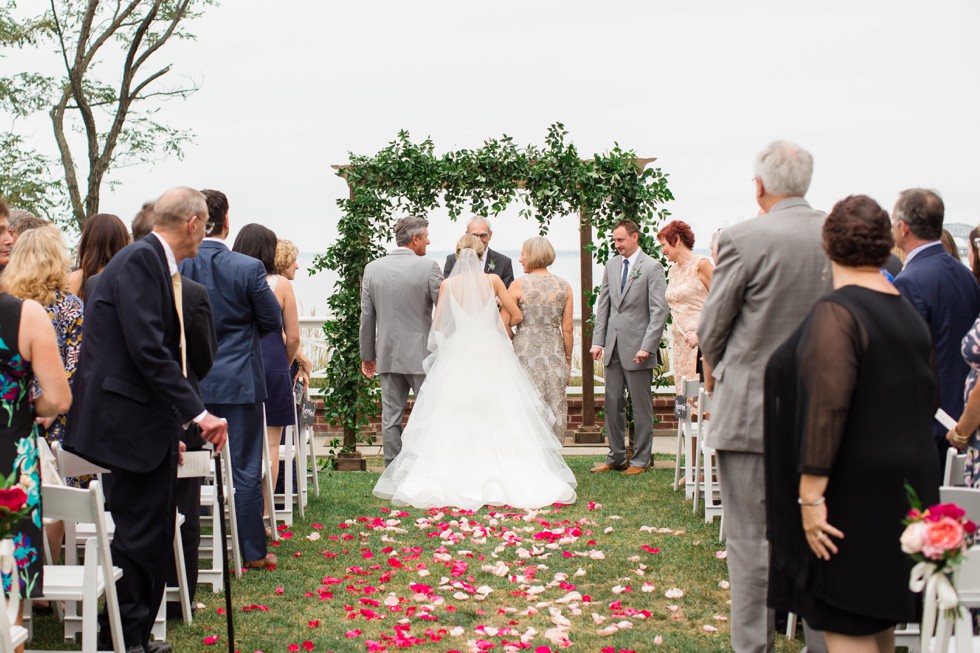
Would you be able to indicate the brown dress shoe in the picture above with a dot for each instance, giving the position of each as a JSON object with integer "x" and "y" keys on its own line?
{"x": 633, "y": 471}
{"x": 598, "y": 469}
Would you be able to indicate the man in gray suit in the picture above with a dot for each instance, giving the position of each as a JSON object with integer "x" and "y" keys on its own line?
{"x": 771, "y": 270}
{"x": 397, "y": 296}
{"x": 629, "y": 321}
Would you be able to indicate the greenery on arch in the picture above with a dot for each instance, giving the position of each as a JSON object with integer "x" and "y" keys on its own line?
{"x": 406, "y": 177}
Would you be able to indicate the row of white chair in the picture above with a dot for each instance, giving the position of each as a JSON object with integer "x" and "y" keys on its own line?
{"x": 700, "y": 469}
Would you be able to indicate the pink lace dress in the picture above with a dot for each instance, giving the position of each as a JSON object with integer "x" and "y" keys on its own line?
{"x": 685, "y": 296}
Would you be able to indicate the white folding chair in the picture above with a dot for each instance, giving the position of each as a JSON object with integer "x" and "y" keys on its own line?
{"x": 211, "y": 542}
{"x": 70, "y": 464}
{"x": 11, "y": 636}
{"x": 967, "y": 498}
{"x": 687, "y": 389}
{"x": 954, "y": 633}
{"x": 95, "y": 577}
{"x": 306, "y": 450}
{"x": 955, "y": 470}
{"x": 706, "y": 462}
{"x": 268, "y": 488}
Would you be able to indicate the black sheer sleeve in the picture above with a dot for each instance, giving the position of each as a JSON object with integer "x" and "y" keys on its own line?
{"x": 829, "y": 357}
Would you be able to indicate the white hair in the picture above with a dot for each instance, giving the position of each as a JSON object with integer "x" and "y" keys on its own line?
{"x": 784, "y": 168}
{"x": 480, "y": 219}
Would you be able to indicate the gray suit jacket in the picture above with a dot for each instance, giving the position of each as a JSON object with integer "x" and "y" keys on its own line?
{"x": 397, "y": 295}
{"x": 634, "y": 318}
{"x": 771, "y": 270}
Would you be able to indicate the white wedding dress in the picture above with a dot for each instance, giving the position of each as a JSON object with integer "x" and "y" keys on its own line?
{"x": 478, "y": 434}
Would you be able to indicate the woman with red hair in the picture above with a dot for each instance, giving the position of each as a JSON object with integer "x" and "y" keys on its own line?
{"x": 688, "y": 281}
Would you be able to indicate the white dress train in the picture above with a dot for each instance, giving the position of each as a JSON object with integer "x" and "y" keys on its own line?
{"x": 479, "y": 434}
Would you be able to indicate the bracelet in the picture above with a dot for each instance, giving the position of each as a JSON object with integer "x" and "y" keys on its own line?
{"x": 960, "y": 438}
{"x": 815, "y": 502}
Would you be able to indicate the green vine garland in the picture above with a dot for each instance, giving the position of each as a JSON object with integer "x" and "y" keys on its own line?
{"x": 408, "y": 178}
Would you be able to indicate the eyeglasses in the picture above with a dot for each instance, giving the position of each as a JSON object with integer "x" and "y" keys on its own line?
{"x": 482, "y": 236}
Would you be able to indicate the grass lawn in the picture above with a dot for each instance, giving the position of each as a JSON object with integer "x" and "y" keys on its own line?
{"x": 626, "y": 568}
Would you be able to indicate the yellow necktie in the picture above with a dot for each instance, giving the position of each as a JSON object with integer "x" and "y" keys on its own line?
{"x": 179, "y": 303}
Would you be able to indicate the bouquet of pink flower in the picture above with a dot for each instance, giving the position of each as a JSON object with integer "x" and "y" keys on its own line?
{"x": 936, "y": 538}
{"x": 937, "y": 534}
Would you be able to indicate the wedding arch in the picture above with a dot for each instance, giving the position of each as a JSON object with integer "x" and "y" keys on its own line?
{"x": 409, "y": 178}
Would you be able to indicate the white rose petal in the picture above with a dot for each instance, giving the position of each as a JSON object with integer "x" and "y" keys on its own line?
{"x": 674, "y": 593}
{"x": 608, "y": 630}
{"x": 708, "y": 628}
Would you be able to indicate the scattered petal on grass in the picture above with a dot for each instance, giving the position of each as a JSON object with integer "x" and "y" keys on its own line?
{"x": 708, "y": 628}
{"x": 211, "y": 640}
{"x": 721, "y": 555}
{"x": 724, "y": 584}
{"x": 313, "y": 537}
{"x": 315, "y": 623}
{"x": 674, "y": 593}
{"x": 351, "y": 634}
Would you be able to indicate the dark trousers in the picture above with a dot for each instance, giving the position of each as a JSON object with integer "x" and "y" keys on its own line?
{"x": 245, "y": 441}
{"x": 189, "y": 505}
{"x": 144, "y": 510}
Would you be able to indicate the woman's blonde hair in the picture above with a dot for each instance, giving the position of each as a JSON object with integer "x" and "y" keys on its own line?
{"x": 38, "y": 266}
{"x": 286, "y": 255}
{"x": 538, "y": 253}
{"x": 469, "y": 241}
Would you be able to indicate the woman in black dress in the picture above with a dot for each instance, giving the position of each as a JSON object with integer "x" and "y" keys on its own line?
{"x": 849, "y": 404}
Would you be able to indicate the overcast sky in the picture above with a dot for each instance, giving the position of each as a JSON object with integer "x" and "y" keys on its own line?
{"x": 886, "y": 95}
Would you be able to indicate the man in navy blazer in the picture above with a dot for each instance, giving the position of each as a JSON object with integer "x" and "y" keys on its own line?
{"x": 244, "y": 309}
{"x": 132, "y": 400}
{"x": 942, "y": 289}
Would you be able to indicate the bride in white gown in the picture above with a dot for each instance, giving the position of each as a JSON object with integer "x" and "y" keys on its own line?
{"x": 479, "y": 434}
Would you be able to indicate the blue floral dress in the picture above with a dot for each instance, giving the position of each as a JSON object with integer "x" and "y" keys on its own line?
{"x": 970, "y": 348}
{"x": 19, "y": 455}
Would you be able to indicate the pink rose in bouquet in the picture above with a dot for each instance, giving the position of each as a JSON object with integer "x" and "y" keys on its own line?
{"x": 943, "y": 537}
{"x": 914, "y": 537}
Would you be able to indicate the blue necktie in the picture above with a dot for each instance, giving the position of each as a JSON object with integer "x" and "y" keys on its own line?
{"x": 626, "y": 271}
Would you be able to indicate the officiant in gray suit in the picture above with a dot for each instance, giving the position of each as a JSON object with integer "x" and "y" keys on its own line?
{"x": 397, "y": 295}
{"x": 493, "y": 262}
{"x": 771, "y": 271}
{"x": 629, "y": 321}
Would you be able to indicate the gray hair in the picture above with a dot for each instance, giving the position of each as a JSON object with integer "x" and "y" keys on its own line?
{"x": 784, "y": 168}
{"x": 713, "y": 247}
{"x": 408, "y": 228}
{"x": 922, "y": 210}
{"x": 480, "y": 219}
{"x": 21, "y": 220}
{"x": 177, "y": 205}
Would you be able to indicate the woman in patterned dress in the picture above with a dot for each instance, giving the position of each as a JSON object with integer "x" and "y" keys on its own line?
{"x": 28, "y": 350}
{"x": 543, "y": 341}
{"x": 966, "y": 433}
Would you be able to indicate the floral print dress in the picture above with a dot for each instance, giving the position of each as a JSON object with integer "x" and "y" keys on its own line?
{"x": 66, "y": 315}
{"x": 18, "y": 453}
{"x": 970, "y": 348}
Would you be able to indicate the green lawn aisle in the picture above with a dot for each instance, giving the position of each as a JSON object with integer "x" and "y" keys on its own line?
{"x": 629, "y": 567}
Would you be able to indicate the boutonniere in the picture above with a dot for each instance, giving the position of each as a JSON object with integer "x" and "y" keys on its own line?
{"x": 635, "y": 274}
{"x": 492, "y": 266}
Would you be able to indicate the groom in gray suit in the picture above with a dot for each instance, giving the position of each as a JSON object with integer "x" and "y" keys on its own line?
{"x": 771, "y": 270}
{"x": 397, "y": 295}
{"x": 629, "y": 321}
